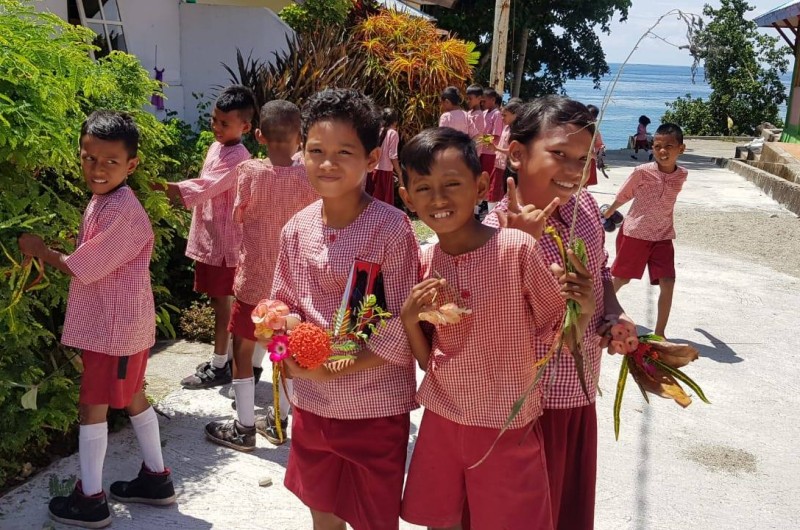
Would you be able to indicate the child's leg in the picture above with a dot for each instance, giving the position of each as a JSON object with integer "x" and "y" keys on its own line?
{"x": 667, "y": 287}
{"x": 222, "y": 315}
{"x": 92, "y": 444}
{"x": 145, "y": 425}
{"x": 326, "y": 521}
{"x": 243, "y": 381}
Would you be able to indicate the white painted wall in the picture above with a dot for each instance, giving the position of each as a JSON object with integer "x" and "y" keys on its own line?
{"x": 210, "y": 36}
{"x": 58, "y": 7}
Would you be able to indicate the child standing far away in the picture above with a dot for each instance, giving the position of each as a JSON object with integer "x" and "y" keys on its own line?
{"x": 349, "y": 428}
{"x": 598, "y": 150}
{"x": 647, "y": 232}
{"x": 453, "y": 115}
{"x": 268, "y": 193}
{"x": 382, "y": 179}
{"x": 477, "y": 368}
{"x": 497, "y": 183}
{"x": 640, "y": 140}
{"x": 214, "y": 237}
{"x": 550, "y": 140}
{"x": 111, "y": 318}
{"x": 477, "y": 128}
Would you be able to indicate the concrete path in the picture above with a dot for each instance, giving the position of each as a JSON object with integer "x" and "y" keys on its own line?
{"x": 732, "y": 464}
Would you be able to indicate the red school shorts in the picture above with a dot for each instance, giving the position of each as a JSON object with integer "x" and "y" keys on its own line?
{"x": 570, "y": 445}
{"x": 383, "y": 186}
{"x": 496, "y": 188}
{"x": 634, "y": 254}
{"x": 351, "y": 468}
{"x": 487, "y": 162}
{"x": 213, "y": 280}
{"x": 241, "y": 323}
{"x": 508, "y": 490}
{"x": 112, "y": 380}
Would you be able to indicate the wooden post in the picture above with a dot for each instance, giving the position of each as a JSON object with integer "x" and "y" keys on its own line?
{"x": 497, "y": 77}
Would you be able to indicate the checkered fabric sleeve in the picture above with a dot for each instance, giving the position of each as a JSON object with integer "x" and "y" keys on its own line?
{"x": 267, "y": 197}
{"x": 110, "y": 305}
{"x": 480, "y": 366}
{"x": 214, "y": 238}
{"x": 314, "y": 265}
{"x": 566, "y": 392}
{"x": 654, "y": 193}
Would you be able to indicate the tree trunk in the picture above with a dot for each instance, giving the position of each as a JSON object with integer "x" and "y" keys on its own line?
{"x": 519, "y": 68}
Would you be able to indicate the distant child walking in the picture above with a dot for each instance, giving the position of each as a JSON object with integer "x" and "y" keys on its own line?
{"x": 645, "y": 238}
{"x": 214, "y": 237}
{"x": 452, "y": 114}
{"x": 550, "y": 140}
{"x": 599, "y": 151}
{"x": 268, "y": 193}
{"x": 111, "y": 319}
{"x": 475, "y": 369}
{"x": 350, "y": 428}
{"x": 493, "y": 126}
{"x": 497, "y": 183}
{"x": 381, "y": 181}
{"x": 641, "y": 140}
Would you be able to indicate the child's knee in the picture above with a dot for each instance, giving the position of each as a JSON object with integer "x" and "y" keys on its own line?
{"x": 92, "y": 414}
{"x": 666, "y": 282}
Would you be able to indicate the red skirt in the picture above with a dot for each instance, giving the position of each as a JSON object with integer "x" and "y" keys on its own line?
{"x": 382, "y": 186}
{"x": 496, "y": 188}
{"x": 241, "y": 323}
{"x": 213, "y": 280}
{"x": 112, "y": 380}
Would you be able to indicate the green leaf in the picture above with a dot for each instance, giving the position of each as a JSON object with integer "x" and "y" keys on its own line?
{"x": 677, "y": 374}
{"x": 28, "y": 399}
{"x": 623, "y": 377}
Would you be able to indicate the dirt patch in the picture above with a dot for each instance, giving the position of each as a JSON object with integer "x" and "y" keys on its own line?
{"x": 723, "y": 459}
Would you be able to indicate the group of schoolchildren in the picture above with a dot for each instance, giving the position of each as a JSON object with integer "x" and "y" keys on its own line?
{"x": 290, "y": 227}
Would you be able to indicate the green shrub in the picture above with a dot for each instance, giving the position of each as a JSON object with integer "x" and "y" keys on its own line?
{"x": 197, "y": 322}
{"x": 48, "y": 85}
{"x": 316, "y": 13}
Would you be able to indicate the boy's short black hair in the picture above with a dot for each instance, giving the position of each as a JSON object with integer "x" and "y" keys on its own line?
{"x": 514, "y": 105}
{"x": 475, "y": 90}
{"x": 389, "y": 116}
{"x": 344, "y": 105}
{"x": 593, "y": 110}
{"x": 452, "y": 95}
{"x": 492, "y": 93}
{"x": 420, "y": 152}
{"x": 671, "y": 129}
{"x": 549, "y": 111}
{"x": 239, "y": 98}
{"x": 279, "y": 118}
{"x": 113, "y": 126}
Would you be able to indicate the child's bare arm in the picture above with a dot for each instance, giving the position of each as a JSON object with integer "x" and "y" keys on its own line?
{"x": 396, "y": 166}
{"x": 613, "y": 208}
{"x": 577, "y": 286}
{"x": 34, "y": 246}
{"x": 614, "y": 313}
{"x": 422, "y": 295}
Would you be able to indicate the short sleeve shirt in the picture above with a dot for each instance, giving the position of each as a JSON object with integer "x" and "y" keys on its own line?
{"x": 110, "y": 305}
{"x": 389, "y": 150}
{"x": 455, "y": 119}
{"x": 654, "y": 193}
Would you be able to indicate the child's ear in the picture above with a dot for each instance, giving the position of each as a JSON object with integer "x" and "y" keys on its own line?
{"x": 516, "y": 151}
{"x": 407, "y": 199}
{"x": 260, "y": 137}
{"x": 483, "y": 185}
{"x": 247, "y": 127}
{"x": 132, "y": 164}
{"x": 373, "y": 157}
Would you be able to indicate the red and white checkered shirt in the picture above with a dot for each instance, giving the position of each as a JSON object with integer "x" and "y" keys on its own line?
{"x": 479, "y": 367}
{"x": 314, "y": 264}
{"x": 477, "y": 127}
{"x": 388, "y": 151}
{"x": 501, "y": 160}
{"x": 267, "y": 196}
{"x": 110, "y": 305}
{"x": 654, "y": 193}
{"x": 213, "y": 236}
{"x": 456, "y": 119}
{"x": 494, "y": 122}
{"x": 566, "y": 391}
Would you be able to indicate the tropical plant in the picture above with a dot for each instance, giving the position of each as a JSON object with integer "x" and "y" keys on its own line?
{"x": 313, "y": 14}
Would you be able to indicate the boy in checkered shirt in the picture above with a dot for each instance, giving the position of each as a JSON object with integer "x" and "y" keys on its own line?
{"x": 269, "y": 192}
{"x": 350, "y": 428}
{"x": 550, "y": 139}
{"x": 645, "y": 238}
{"x": 478, "y": 367}
{"x": 214, "y": 237}
{"x": 110, "y": 317}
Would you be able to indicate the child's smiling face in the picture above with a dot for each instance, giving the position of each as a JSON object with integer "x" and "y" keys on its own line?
{"x": 228, "y": 127}
{"x": 666, "y": 150}
{"x": 551, "y": 165}
{"x": 336, "y": 160}
{"x": 105, "y": 163}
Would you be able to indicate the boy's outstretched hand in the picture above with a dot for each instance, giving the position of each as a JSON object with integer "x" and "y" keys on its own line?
{"x": 527, "y": 217}
{"x": 32, "y": 245}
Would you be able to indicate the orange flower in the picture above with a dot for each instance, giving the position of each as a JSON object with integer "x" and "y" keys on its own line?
{"x": 310, "y": 345}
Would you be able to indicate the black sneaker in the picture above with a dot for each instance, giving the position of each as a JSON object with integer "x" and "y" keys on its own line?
{"x": 257, "y": 371}
{"x": 207, "y": 376}
{"x": 232, "y": 434}
{"x": 81, "y": 510}
{"x": 265, "y": 426}
{"x": 650, "y": 158}
{"x": 148, "y": 488}
{"x": 635, "y": 157}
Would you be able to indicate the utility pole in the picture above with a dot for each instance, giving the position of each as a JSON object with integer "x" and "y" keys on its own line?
{"x": 497, "y": 77}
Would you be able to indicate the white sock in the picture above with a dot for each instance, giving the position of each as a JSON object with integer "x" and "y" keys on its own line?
{"x": 285, "y": 404}
{"x": 258, "y": 355}
{"x": 491, "y": 206}
{"x": 145, "y": 424}
{"x": 218, "y": 361}
{"x": 245, "y": 391}
{"x": 92, "y": 444}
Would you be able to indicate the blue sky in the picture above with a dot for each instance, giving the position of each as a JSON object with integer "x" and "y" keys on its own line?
{"x": 644, "y": 13}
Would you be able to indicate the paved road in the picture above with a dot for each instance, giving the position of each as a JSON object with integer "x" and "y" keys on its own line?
{"x": 732, "y": 464}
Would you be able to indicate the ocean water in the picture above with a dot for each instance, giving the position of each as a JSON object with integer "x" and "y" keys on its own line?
{"x": 641, "y": 89}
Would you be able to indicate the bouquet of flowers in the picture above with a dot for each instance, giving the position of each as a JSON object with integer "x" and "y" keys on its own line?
{"x": 485, "y": 139}
{"x": 655, "y": 366}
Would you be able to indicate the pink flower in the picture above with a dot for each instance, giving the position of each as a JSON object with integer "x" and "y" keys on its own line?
{"x": 278, "y": 348}
{"x": 270, "y": 314}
